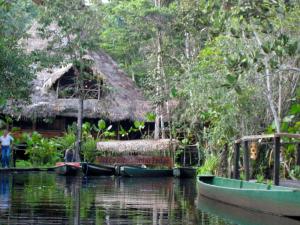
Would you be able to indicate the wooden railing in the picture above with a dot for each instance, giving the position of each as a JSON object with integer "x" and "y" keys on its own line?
{"x": 277, "y": 144}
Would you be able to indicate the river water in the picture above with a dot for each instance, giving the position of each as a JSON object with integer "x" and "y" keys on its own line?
{"x": 46, "y": 198}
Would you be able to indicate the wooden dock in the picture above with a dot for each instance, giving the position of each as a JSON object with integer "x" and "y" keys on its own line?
{"x": 33, "y": 169}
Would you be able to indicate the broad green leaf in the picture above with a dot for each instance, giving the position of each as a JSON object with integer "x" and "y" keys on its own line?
{"x": 101, "y": 124}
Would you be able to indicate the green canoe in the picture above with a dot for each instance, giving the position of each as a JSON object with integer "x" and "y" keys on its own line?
{"x": 282, "y": 201}
{"x": 129, "y": 171}
{"x": 91, "y": 169}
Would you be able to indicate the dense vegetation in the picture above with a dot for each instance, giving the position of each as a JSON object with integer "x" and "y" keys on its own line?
{"x": 231, "y": 67}
{"x": 16, "y": 72}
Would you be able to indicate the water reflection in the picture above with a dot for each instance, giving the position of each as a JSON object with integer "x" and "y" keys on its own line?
{"x": 239, "y": 215}
{"x": 45, "y": 198}
{"x": 4, "y": 192}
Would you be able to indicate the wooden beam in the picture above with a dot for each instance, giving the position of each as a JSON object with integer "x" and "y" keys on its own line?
{"x": 254, "y": 137}
{"x": 266, "y": 136}
{"x": 298, "y": 154}
{"x": 297, "y": 136}
{"x": 246, "y": 160}
{"x": 276, "y": 160}
{"x": 236, "y": 169}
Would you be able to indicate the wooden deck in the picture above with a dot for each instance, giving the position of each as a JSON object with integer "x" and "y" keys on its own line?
{"x": 44, "y": 133}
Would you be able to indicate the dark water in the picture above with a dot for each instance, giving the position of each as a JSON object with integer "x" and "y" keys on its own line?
{"x": 45, "y": 198}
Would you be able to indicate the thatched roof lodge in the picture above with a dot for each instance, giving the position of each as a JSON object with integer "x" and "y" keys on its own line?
{"x": 110, "y": 93}
{"x": 138, "y": 146}
{"x": 138, "y": 152}
{"x": 121, "y": 100}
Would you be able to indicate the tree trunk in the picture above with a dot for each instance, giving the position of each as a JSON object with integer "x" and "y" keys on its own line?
{"x": 279, "y": 99}
{"x": 162, "y": 125}
{"x": 187, "y": 44}
{"x": 156, "y": 128}
{"x": 158, "y": 89}
{"x": 76, "y": 156}
{"x": 268, "y": 84}
{"x": 270, "y": 97}
{"x": 223, "y": 167}
{"x": 79, "y": 129}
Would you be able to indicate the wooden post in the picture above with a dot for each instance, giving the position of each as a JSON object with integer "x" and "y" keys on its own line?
{"x": 99, "y": 90}
{"x": 118, "y": 131}
{"x": 298, "y": 154}
{"x": 184, "y": 156}
{"x": 276, "y": 160}
{"x": 236, "y": 167}
{"x": 34, "y": 124}
{"x": 199, "y": 155}
{"x": 57, "y": 88}
{"x": 13, "y": 156}
{"x": 246, "y": 160}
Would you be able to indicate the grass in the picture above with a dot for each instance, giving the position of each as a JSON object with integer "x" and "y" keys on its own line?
{"x": 23, "y": 164}
{"x": 28, "y": 164}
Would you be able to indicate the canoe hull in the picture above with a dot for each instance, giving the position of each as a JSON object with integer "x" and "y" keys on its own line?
{"x": 279, "y": 201}
{"x": 68, "y": 169}
{"x": 90, "y": 169}
{"x": 184, "y": 172}
{"x": 144, "y": 172}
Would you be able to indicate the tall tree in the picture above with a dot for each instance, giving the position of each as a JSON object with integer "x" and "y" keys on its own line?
{"x": 15, "y": 70}
{"x": 78, "y": 27}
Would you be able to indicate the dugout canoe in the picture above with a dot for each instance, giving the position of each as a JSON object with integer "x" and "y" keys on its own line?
{"x": 91, "y": 169}
{"x": 184, "y": 172}
{"x": 277, "y": 200}
{"x": 68, "y": 168}
{"x": 129, "y": 171}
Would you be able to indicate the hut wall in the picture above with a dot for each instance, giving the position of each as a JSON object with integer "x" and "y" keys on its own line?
{"x": 152, "y": 161}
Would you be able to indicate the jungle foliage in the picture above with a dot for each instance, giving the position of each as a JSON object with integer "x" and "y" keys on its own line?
{"x": 15, "y": 70}
{"x": 231, "y": 67}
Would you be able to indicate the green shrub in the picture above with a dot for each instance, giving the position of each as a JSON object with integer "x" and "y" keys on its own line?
{"x": 210, "y": 166}
{"x": 260, "y": 178}
{"x": 296, "y": 172}
{"x": 89, "y": 149}
{"x": 23, "y": 164}
{"x": 67, "y": 141}
{"x": 41, "y": 151}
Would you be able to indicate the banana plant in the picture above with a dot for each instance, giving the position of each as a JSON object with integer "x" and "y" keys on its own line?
{"x": 137, "y": 126}
{"x": 103, "y": 131}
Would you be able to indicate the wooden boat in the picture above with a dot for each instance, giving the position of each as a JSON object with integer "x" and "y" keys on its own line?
{"x": 68, "y": 168}
{"x": 90, "y": 169}
{"x": 282, "y": 201}
{"x": 130, "y": 171}
{"x": 184, "y": 172}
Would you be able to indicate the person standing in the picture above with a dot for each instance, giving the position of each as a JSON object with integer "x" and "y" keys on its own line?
{"x": 6, "y": 141}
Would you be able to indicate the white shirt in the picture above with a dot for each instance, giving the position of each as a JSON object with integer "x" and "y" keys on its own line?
{"x": 5, "y": 141}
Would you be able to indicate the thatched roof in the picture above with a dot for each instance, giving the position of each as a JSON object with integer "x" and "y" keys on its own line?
{"x": 123, "y": 100}
{"x": 137, "y": 146}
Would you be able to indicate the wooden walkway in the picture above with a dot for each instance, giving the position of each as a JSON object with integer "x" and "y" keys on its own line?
{"x": 290, "y": 183}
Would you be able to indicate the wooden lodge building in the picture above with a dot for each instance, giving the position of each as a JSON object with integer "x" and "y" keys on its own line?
{"x": 109, "y": 94}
